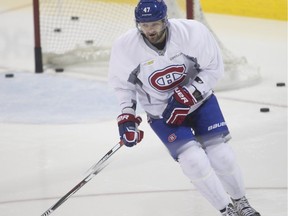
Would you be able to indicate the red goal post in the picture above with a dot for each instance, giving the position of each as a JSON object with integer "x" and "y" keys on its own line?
{"x": 37, "y": 38}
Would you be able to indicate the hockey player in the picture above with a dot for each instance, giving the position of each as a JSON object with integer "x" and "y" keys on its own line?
{"x": 170, "y": 67}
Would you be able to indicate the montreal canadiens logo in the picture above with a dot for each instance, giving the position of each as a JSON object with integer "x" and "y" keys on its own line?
{"x": 172, "y": 138}
{"x": 168, "y": 78}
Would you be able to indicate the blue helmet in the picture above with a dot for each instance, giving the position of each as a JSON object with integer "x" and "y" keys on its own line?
{"x": 150, "y": 11}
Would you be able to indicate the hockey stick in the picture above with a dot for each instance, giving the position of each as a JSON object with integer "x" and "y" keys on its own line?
{"x": 95, "y": 169}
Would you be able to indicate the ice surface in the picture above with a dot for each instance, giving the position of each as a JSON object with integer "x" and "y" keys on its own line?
{"x": 54, "y": 126}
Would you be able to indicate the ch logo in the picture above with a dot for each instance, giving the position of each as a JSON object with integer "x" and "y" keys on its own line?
{"x": 167, "y": 78}
{"x": 172, "y": 137}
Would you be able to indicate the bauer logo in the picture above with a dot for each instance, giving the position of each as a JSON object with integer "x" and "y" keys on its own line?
{"x": 167, "y": 78}
{"x": 218, "y": 125}
{"x": 122, "y": 118}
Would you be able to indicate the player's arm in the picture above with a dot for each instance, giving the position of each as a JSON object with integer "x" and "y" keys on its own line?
{"x": 212, "y": 69}
{"x": 125, "y": 92}
{"x": 210, "y": 60}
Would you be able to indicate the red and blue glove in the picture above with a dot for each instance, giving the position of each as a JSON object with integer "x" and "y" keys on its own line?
{"x": 178, "y": 106}
{"x": 128, "y": 129}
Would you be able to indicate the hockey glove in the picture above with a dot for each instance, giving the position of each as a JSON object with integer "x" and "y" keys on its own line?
{"x": 128, "y": 131}
{"x": 178, "y": 106}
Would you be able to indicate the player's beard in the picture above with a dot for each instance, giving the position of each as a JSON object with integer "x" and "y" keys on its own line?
{"x": 156, "y": 37}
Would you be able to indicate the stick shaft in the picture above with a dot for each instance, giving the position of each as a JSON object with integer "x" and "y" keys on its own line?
{"x": 95, "y": 170}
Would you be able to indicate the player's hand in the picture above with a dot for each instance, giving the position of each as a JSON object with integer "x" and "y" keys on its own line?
{"x": 178, "y": 106}
{"x": 128, "y": 131}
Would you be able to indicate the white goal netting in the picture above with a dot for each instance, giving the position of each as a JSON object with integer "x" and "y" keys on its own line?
{"x": 77, "y": 35}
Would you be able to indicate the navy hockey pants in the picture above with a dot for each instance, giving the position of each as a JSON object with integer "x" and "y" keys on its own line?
{"x": 203, "y": 125}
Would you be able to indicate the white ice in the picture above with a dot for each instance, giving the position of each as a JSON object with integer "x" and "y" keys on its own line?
{"x": 54, "y": 126}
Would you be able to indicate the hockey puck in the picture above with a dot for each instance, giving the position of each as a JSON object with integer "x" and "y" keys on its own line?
{"x": 75, "y": 18}
{"x": 10, "y": 75}
{"x": 89, "y": 42}
{"x": 264, "y": 109}
{"x": 59, "y": 70}
{"x": 57, "y": 30}
{"x": 280, "y": 84}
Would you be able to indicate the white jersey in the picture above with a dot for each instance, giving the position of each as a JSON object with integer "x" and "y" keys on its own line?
{"x": 138, "y": 70}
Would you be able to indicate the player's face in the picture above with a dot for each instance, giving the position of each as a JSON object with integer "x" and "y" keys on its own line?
{"x": 153, "y": 31}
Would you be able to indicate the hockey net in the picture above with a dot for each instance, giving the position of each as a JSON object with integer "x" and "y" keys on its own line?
{"x": 77, "y": 35}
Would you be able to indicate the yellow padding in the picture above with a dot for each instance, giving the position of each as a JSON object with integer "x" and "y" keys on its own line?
{"x": 131, "y": 2}
{"x": 270, "y": 9}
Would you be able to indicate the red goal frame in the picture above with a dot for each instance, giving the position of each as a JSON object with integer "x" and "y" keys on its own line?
{"x": 37, "y": 32}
